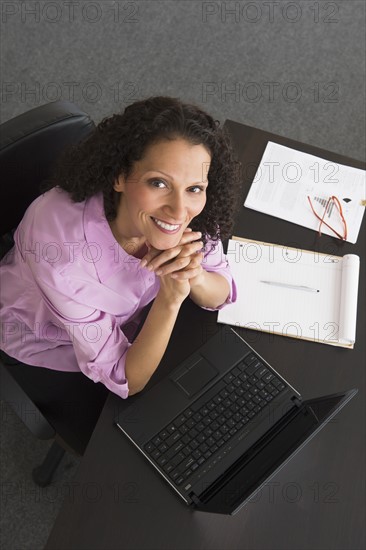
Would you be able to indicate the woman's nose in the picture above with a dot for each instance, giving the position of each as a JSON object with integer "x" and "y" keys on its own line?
{"x": 176, "y": 208}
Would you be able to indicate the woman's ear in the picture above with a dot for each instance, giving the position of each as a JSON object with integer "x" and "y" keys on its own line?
{"x": 119, "y": 184}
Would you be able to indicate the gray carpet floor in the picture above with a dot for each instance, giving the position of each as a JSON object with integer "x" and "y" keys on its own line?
{"x": 292, "y": 68}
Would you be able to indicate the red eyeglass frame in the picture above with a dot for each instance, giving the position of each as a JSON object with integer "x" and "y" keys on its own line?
{"x": 339, "y": 208}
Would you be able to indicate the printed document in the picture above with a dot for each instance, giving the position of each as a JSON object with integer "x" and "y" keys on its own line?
{"x": 286, "y": 177}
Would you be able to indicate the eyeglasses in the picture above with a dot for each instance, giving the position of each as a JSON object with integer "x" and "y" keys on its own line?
{"x": 328, "y": 208}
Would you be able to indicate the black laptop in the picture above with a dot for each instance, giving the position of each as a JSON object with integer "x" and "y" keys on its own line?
{"x": 223, "y": 423}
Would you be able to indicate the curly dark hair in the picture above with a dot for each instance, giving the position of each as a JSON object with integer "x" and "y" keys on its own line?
{"x": 94, "y": 164}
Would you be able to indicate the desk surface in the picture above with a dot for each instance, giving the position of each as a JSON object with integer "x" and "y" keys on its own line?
{"x": 316, "y": 501}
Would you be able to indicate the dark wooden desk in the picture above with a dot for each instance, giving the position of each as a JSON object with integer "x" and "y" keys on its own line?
{"x": 316, "y": 501}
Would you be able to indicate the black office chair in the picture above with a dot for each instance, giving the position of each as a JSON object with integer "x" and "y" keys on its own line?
{"x": 29, "y": 146}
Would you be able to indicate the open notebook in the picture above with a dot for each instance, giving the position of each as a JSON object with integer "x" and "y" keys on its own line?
{"x": 293, "y": 292}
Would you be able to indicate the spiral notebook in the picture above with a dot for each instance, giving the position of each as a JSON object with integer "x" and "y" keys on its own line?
{"x": 292, "y": 292}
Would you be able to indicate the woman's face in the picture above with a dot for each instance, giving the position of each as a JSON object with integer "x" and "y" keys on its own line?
{"x": 165, "y": 191}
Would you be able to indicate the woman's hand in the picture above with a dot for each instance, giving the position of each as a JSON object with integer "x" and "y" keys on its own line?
{"x": 182, "y": 258}
{"x": 178, "y": 267}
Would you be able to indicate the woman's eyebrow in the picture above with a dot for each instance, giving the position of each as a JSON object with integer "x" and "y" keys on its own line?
{"x": 172, "y": 179}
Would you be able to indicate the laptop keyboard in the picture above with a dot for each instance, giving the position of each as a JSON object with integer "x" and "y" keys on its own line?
{"x": 198, "y": 432}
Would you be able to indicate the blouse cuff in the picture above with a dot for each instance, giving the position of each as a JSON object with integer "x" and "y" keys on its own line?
{"x": 232, "y": 295}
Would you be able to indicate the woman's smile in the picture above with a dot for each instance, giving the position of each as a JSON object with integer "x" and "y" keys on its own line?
{"x": 166, "y": 227}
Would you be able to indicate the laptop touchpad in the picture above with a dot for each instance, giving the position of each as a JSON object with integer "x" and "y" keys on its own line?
{"x": 196, "y": 378}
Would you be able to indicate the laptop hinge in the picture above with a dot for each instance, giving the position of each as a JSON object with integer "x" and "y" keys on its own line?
{"x": 297, "y": 401}
{"x": 195, "y": 498}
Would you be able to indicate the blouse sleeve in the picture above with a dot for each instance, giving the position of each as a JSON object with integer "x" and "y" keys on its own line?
{"x": 99, "y": 344}
{"x": 216, "y": 261}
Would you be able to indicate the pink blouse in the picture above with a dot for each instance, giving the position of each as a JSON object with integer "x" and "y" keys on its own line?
{"x": 71, "y": 297}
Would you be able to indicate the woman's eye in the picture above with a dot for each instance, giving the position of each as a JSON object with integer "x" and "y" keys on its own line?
{"x": 158, "y": 183}
{"x": 196, "y": 189}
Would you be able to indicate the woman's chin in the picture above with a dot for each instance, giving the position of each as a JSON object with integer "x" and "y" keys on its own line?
{"x": 165, "y": 242}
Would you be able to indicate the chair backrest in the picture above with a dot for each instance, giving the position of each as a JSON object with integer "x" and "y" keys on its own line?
{"x": 29, "y": 146}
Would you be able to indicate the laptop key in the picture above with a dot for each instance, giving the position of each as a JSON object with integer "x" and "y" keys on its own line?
{"x": 252, "y": 368}
{"x": 241, "y": 366}
{"x": 174, "y": 474}
{"x": 171, "y": 429}
{"x": 173, "y": 438}
{"x": 149, "y": 447}
{"x": 155, "y": 454}
{"x": 163, "y": 447}
{"x": 177, "y": 459}
{"x": 229, "y": 377}
{"x": 203, "y": 448}
{"x": 187, "y": 463}
{"x": 218, "y": 399}
{"x": 162, "y": 460}
{"x": 236, "y": 371}
{"x": 178, "y": 446}
{"x": 250, "y": 358}
{"x": 179, "y": 421}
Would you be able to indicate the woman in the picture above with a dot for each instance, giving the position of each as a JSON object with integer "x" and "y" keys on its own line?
{"x": 134, "y": 213}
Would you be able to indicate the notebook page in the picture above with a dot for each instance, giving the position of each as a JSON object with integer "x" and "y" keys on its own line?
{"x": 286, "y": 177}
{"x": 287, "y": 311}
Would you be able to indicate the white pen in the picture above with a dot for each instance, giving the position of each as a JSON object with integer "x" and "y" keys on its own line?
{"x": 295, "y": 287}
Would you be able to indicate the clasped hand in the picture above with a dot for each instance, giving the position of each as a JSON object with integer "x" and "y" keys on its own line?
{"x": 182, "y": 262}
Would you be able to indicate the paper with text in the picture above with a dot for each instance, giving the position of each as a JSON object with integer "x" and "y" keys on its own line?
{"x": 286, "y": 177}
